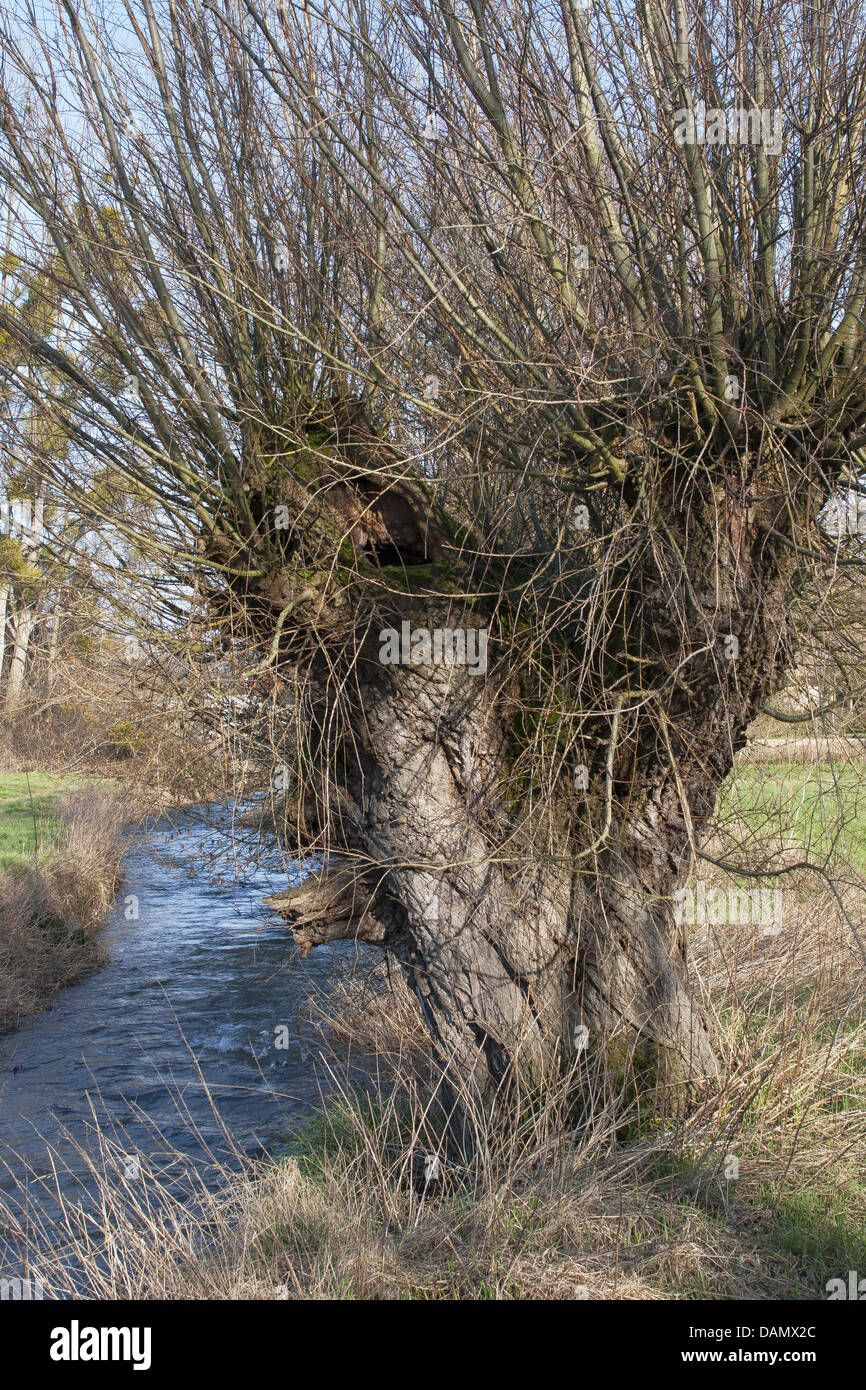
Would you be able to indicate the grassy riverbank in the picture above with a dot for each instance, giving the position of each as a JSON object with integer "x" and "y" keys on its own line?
{"x": 759, "y": 1194}
{"x": 60, "y": 852}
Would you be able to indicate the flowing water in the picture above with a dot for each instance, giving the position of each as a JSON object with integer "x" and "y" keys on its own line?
{"x": 185, "y": 1047}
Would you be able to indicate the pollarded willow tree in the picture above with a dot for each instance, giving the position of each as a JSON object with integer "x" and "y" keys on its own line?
{"x": 494, "y": 362}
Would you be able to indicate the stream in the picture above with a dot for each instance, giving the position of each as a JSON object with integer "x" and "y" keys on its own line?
{"x": 185, "y": 1046}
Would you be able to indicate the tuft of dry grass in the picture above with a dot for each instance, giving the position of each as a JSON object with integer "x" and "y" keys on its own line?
{"x": 50, "y": 912}
{"x": 371, "y": 1013}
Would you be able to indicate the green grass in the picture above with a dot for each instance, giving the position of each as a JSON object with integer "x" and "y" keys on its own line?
{"x": 26, "y": 800}
{"x": 822, "y": 1229}
{"x": 823, "y": 808}
{"x": 327, "y": 1134}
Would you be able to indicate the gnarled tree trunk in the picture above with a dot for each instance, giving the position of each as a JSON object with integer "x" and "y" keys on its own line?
{"x": 510, "y": 954}
{"x": 528, "y": 944}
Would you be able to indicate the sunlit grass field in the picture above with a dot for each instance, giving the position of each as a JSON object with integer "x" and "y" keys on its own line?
{"x": 26, "y": 824}
{"x": 820, "y": 808}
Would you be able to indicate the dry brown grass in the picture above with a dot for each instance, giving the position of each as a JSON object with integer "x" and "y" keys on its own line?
{"x": 370, "y": 1013}
{"x": 759, "y": 1194}
{"x": 608, "y": 1206}
{"x": 812, "y": 749}
{"x": 50, "y": 913}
